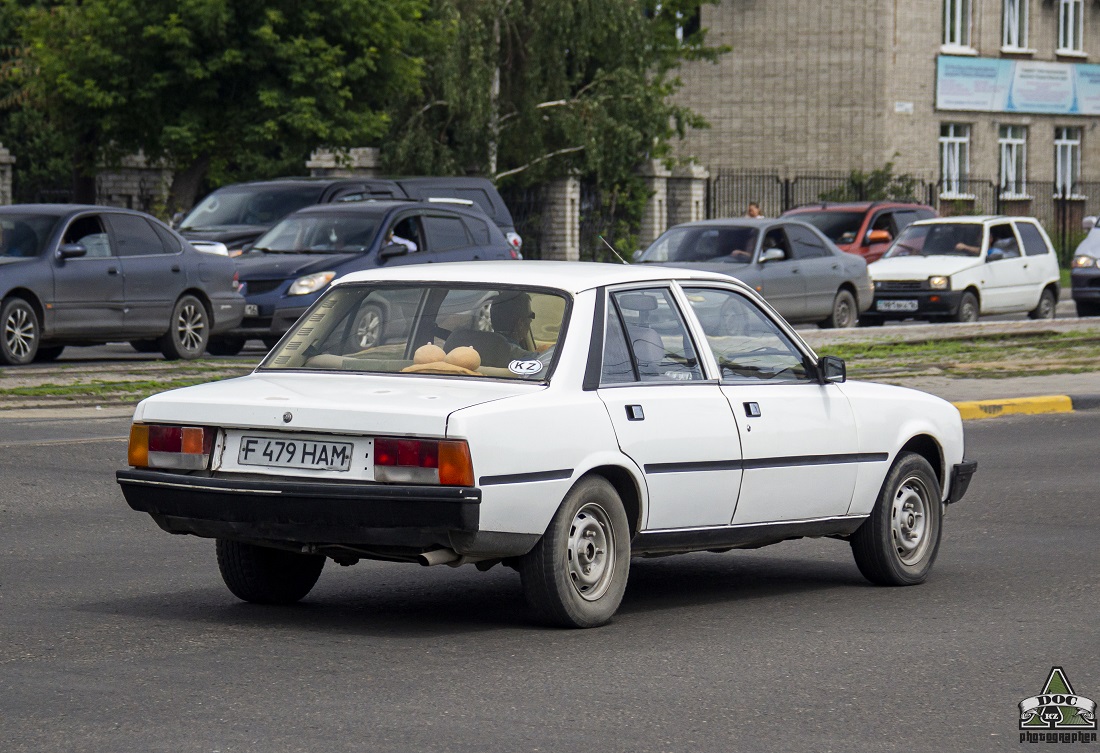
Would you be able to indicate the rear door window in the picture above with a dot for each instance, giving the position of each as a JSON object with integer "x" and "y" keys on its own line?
{"x": 135, "y": 236}
{"x": 657, "y": 342}
{"x": 445, "y": 232}
{"x": 804, "y": 243}
{"x": 1034, "y": 243}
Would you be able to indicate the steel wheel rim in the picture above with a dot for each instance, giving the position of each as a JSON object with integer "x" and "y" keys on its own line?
{"x": 19, "y": 333}
{"x": 190, "y": 326}
{"x": 1046, "y": 307}
{"x": 970, "y": 312}
{"x": 369, "y": 329}
{"x": 909, "y": 524}
{"x": 591, "y": 552}
{"x": 843, "y": 314}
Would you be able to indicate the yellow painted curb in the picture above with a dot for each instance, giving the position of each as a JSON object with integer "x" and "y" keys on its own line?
{"x": 1017, "y": 405}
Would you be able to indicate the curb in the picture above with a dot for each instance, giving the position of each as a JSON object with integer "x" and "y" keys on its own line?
{"x": 975, "y": 409}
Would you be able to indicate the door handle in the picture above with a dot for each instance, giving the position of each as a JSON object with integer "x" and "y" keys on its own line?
{"x": 635, "y": 413}
{"x": 175, "y": 267}
{"x": 752, "y": 410}
{"x": 112, "y": 270}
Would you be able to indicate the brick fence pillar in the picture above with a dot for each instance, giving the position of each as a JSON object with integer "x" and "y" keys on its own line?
{"x": 687, "y": 194}
{"x": 655, "y": 218}
{"x": 6, "y": 162}
{"x": 361, "y": 162}
{"x": 561, "y": 229}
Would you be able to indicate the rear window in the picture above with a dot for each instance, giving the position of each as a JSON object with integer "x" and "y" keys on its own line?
{"x": 1034, "y": 243}
{"x": 462, "y": 331}
{"x": 839, "y": 227}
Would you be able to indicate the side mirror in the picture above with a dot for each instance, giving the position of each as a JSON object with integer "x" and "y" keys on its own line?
{"x": 994, "y": 255}
{"x": 879, "y": 236}
{"x": 177, "y": 218}
{"x": 1088, "y": 223}
{"x": 392, "y": 250}
{"x": 831, "y": 370}
{"x": 773, "y": 254}
{"x": 72, "y": 250}
{"x": 637, "y": 254}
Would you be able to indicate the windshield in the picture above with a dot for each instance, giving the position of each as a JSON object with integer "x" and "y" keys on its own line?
{"x": 25, "y": 235}
{"x": 731, "y": 245}
{"x": 940, "y": 239}
{"x": 839, "y": 227}
{"x": 436, "y": 329}
{"x": 320, "y": 234}
{"x": 249, "y": 205}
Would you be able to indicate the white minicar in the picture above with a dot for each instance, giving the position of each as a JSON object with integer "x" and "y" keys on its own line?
{"x": 556, "y": 418}
{"x": 961, "y": 268}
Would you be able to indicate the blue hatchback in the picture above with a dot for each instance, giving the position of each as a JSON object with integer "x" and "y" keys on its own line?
{"x": 289, "y": 266}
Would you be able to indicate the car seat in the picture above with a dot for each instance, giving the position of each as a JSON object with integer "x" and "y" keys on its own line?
{"x": 494, "y": 349}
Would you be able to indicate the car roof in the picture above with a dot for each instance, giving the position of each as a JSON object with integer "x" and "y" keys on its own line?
{"x": 976, "y": 219}
{"x": 730, "y": 222}
{"x": 570, "y": 276}
{"x": 853, "y": 206}
{"x": 65, "y": 210}
{"x": 377, "y": 207}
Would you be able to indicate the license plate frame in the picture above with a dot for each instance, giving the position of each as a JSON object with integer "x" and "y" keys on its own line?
{"x": 255, "y": 450}
{"x": 907, "y": 305}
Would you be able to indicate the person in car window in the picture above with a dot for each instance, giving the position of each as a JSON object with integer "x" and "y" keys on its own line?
{"x": 392, "y": 238}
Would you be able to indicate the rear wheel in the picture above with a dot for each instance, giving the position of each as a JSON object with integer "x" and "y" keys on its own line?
{"x": 19, "y": 332}
{"x": 576, "y": 575}
{"x": 188, "y": 330}
{"x": 1045, "y": 309}
{"x": 263, "y": 575}
{"x": 225, "y": 346}
{"x": 968, "y": 309}
{"x": 898, "y": 543}
{"x": 844, "y": 313}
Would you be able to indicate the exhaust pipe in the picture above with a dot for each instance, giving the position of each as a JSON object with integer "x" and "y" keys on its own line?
{"x": 437, "y": 557}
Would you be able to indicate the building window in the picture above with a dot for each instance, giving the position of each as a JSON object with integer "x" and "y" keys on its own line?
{"x": 954, "y": 160}
{"x": 1012, "y": 141}
{"x": 1067, "y": 161}
{"x": 956, "y": 23}
{"x": 1071, "y": 18}
{"x": 1014, "y": 34}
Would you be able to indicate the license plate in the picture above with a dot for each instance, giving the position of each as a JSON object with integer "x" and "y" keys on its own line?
{"x": 251, "y": 309}
{"x": 290, "y": 452}
{"x": 887, "y": 305}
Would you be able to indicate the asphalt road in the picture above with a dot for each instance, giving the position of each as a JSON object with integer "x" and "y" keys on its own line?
{"x": 115, "y": 636}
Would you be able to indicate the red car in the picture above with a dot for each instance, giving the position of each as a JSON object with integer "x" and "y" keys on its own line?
{"x": 864, "y": 228}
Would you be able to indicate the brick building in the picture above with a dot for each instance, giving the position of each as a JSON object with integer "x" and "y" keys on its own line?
{"x": 993, "y": 102}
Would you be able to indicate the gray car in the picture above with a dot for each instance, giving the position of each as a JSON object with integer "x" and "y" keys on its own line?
{"x": 800, "y": 272}
{"x": 86, "y": 275}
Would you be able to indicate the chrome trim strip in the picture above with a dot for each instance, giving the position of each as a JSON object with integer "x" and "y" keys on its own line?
{"x": 732, "y": 526}
{"x": 192, "y": 487}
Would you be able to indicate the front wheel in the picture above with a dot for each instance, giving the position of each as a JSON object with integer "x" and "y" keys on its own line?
{"x": 263, "y": 575}
{"x": 188, "y": 330}
{"x": 844, "y": 313}
{"x": 968, "y": 309}
{"x": 1046, "y": 307}
{"x": 576, "y": 575}
{"x": 19, "y": 332}
{"x": 898, "y": 543}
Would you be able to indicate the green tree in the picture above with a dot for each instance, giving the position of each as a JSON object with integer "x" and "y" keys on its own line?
{"x": 525, "y": 90}
{"x": 218, "y": 87}
{"x": 881, "y": 184}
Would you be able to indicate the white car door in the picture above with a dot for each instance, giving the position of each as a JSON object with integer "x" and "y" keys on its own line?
{"x": 1007, "y": 287}
{"x": 673, "y": 423}
{"x": 798, "y": 437}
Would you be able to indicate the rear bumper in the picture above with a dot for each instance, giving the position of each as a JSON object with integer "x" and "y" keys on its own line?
{"x": 961, "y": 473}
{"x": 296, "y": 513}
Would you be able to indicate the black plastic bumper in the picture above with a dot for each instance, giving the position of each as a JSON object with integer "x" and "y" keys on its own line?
{"x": 961, "y": 474}
{"x": 1086, "y": 285}
{"x": 303, "y": 512}
{"x": 930, "y": 303}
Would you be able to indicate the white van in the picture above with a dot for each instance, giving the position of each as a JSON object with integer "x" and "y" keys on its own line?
{"x": 960, "y": 268}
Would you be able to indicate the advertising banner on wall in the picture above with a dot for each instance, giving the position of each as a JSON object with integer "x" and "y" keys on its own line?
{"x": 1024, "y": 86}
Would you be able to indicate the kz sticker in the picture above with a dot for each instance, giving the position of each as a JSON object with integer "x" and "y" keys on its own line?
{"x": 1057, "y": 714}
{"x": 525, "y": 368}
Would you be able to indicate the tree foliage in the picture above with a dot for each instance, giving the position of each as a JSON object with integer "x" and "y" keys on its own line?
{"x": 219, "y": 86}
{"x": 881, "y": 184}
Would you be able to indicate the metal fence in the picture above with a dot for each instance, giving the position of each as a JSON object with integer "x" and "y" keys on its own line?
{"x": 729, "y": 192}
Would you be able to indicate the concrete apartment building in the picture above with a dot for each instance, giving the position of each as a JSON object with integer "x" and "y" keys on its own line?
{"x": 993, "y": 102}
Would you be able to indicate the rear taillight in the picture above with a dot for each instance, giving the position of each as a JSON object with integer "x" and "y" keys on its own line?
{"x": 160, "y": 446}
{"x": 423, "y": 461}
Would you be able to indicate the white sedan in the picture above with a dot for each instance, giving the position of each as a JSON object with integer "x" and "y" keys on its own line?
{"x": 604, "y": 412}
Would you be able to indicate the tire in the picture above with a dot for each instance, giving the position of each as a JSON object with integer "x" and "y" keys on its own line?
{"x": 1046, "y": 307}
{"x": 576, "y": 575}
{"x": 20, "y": 333}
{"x": 188, "y": 330}
{"x": 968, "y": 309}
{"x": 898, "y": 543}
{"x": 145, "y": 346}
{"x": 262, "y": 575}
{"x": 845, "y": 313}
{"x": 225, "y": 346}
{"x": 1088, "y": 309}
{"x": 370, "y": 327}
{"x": 48, "y": 353}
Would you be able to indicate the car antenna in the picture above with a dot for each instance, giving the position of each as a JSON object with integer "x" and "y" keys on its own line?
{"x": 624, "y": 261}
